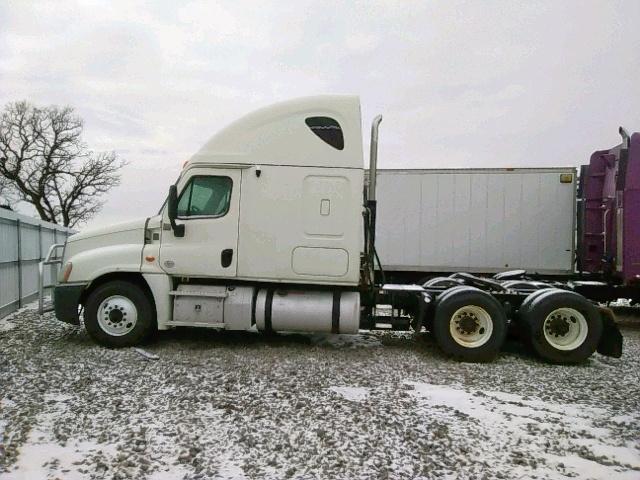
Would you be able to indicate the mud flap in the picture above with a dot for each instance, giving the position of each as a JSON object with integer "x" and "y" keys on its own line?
{"x": 610, "y": 343}
{"x": 66, "y": 302}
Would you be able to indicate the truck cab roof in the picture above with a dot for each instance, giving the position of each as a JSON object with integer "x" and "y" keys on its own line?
{"x": 318, "y": 131}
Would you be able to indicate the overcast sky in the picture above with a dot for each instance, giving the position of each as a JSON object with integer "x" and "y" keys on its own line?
{"x": 460, "y": 84}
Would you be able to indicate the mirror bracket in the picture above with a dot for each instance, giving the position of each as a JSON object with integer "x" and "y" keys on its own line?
{"x": 172, "y": 204}
{"x": 178, "y": 229}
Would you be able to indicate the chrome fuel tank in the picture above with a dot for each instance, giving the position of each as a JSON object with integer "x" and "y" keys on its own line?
{"x": 307, "y": 311}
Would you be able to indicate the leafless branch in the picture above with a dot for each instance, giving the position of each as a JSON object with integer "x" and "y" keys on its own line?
{"x": 44, "y": 162}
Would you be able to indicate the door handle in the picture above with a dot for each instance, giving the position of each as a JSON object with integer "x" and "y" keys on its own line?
{"x": 226, "y": 257}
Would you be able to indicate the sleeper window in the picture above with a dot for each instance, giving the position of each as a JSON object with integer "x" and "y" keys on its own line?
{"x": 328, "y": 130}
{"x": 205, "y": 196}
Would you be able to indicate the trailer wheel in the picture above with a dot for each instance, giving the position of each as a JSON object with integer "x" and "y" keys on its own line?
{"x": 469, "y": 324}
{"x": 119, "y": 314}
{"x": 561, "y": 326}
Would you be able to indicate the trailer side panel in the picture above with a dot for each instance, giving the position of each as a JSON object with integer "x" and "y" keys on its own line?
{"x": 477, "y": 220}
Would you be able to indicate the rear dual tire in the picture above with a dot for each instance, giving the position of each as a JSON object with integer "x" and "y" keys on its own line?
{"x": 559, "y": 325}
{"x": 469, "y": 324}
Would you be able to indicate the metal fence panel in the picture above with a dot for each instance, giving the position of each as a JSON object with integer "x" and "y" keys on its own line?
{"x": 8, "y": 287}
{"x": 29, "y": 242}
{"x": 24, "y": 242}
{"x": 8, "y": 244}
{"x": 30, "y": 280}
{"x": 46, "y": 239}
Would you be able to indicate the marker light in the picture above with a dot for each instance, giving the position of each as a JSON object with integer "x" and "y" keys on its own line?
{"x": 67, "y": 271}
{"x": 566, "y": 177}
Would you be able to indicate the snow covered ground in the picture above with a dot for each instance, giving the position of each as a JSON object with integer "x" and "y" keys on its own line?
{"x": 204, "y": 405}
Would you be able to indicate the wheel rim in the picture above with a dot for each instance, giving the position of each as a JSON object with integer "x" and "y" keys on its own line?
{"x": 117, "y": 315}
{"x": 565, "y": 328}
{"x": 471, "y": 326}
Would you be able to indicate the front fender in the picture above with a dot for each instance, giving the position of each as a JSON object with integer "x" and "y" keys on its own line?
{"x": 91, "y": 264}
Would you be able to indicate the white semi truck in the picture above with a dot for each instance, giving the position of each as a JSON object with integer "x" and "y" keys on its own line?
{"x": 267, "y": 227}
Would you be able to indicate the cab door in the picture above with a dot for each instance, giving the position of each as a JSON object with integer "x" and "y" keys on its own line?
{"x": 209, "y": 208}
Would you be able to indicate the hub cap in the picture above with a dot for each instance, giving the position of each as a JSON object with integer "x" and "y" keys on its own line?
{"x": 117, "y": 315}
{"x": 471, "y": 326}
{"x": 565, "y": 329}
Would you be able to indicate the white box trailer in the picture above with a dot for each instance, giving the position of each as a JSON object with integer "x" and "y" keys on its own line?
{"x": 477, "y": 220}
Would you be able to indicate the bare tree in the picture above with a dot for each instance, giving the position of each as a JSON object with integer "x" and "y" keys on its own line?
{"x": 6, "y": 197}
{"x": 44, "y": 162}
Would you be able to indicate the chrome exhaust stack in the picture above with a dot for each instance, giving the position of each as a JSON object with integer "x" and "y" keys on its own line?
{"x": 373, "y": 159}
{"x": 371, "y": 205}
{"x": 625, "y": 137}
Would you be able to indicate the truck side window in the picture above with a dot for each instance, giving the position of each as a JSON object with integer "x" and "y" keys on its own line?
{"x": 205, "y": 196}
{"x": 328, "y": 130}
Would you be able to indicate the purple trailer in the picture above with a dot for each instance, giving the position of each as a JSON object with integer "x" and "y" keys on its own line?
{"x": 609, "y": 223}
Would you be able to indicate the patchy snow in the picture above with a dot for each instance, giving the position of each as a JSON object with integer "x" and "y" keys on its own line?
{"x": 563, "y": 467}
{"x": 344, "y": 340}
{"x": 3, "y": 424}
{"x": 510, "y": 419}
{"x": 57, "y": 398}
{"x": 145, "y": 354}
{"x": 355, "y": 394}
{"x": 623, "y": 419}
{"x": 39, "y": 457}
{"x": 169, "y": 473}
{"x": 219, "y": 405}
{"x": 6, "y": 322}
{"x": 229, "y": 469}
{"x": 6, "y": 325}
{"x": 42, "y": 453}
{"x": 621, "y": 302}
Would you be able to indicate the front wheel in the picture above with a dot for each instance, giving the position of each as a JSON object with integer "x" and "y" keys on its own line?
{"x": 469, "y": 324}
{"x": 119, "y": 314}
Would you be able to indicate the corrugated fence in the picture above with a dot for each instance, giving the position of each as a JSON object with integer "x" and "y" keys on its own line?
{"x": 24, "y": 242}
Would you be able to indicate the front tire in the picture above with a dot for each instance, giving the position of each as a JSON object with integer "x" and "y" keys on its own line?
{"x": 469, "y": 324}
{"x": 119, "y": 314}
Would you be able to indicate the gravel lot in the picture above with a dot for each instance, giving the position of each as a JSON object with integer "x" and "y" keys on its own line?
{"x": 201, "y": 404}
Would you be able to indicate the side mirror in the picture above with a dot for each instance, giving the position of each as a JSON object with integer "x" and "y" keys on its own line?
{"x": 172, "y": 204}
